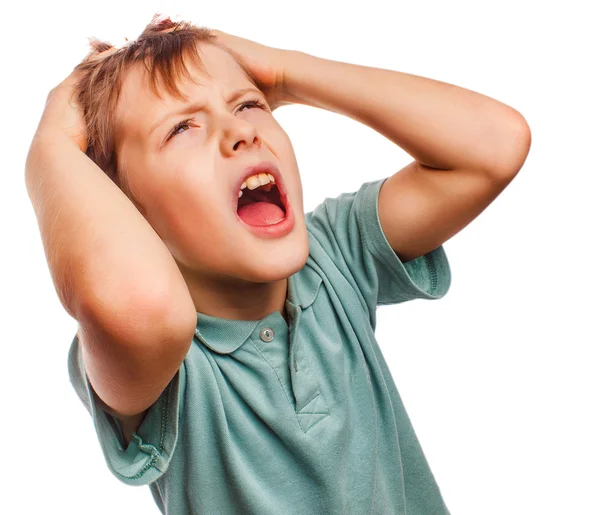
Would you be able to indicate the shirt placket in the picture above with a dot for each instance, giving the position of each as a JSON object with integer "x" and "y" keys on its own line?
{"x": 309, "y": 405}
{"x": 284, "y": 350}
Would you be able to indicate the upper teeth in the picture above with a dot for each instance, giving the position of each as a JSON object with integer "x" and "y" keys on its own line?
{"x": 256, "y": 181}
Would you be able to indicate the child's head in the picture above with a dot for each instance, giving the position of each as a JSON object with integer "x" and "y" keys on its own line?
{"x": 182, "y": 177}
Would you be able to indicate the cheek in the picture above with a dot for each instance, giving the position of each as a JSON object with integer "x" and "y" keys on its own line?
{"x": 192, "y": 207}
{"x": 167, "y": 196}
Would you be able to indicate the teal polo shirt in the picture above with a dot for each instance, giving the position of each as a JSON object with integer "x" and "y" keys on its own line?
{"x": 263, "y": 418}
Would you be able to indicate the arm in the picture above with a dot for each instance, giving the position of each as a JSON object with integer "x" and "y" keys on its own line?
{"x": 110, "y": 269}
{"x": 96, "y": 242}
{"x": 467, "y": 147}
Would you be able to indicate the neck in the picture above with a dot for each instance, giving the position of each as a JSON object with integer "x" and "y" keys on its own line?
{"x": 237, "y": 299}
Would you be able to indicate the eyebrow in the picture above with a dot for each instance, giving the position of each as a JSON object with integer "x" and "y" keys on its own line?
{"x": 189, "y": 109}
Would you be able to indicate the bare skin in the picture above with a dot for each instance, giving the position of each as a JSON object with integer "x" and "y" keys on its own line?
{"x": 185, "y": 186}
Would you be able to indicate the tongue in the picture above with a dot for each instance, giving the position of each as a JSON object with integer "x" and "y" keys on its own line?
{"x": 261, "y": 213}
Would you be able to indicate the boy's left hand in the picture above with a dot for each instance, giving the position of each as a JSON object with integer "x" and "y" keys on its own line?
{"x": 266, "y": 64}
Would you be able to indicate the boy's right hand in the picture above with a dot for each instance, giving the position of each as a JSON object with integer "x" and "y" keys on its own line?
{"x": 62, "y": 111}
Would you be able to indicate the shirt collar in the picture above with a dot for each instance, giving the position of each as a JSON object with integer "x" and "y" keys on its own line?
{"x": 225, "y": 336}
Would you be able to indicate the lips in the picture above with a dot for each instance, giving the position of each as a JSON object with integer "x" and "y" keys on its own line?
{"x": 264, "y": 167}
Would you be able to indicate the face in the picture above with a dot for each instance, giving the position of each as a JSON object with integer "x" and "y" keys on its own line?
{"x": 184, "y": 175}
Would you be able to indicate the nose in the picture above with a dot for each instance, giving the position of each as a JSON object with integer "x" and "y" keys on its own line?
{"x": 237, "y": 132}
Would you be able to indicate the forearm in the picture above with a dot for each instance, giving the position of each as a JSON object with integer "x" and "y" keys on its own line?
{"x": 101, "y": 252}
{"x": 438, "y": 124}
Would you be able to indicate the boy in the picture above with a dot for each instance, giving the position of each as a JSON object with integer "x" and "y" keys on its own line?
{"x": 226, "y": 346}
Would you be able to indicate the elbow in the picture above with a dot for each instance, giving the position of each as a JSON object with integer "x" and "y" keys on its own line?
{"x": 522, "y": 141}
{"x": 513, "y": 147}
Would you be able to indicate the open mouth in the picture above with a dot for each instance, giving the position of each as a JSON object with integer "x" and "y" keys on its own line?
{"x": 261, "y": 206}
{"x": 266, "y": 193}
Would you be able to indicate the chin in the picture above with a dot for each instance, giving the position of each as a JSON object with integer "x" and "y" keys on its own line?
{"x": 288, "y": 260}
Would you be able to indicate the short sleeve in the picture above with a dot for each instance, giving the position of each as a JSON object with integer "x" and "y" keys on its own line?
{"x": 150, "y": 450}
{"x": 348, "y": 228}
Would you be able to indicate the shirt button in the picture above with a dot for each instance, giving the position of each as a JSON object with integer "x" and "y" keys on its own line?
{"x": 267, "y": 334}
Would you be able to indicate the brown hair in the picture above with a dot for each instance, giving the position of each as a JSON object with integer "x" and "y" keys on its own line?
{"x": 163, "y": 48}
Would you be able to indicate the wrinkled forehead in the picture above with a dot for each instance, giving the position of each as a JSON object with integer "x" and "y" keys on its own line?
{"x": 138, "y": 105}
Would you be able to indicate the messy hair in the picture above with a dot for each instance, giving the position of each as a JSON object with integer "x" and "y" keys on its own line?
{"x": 163, "y": 48}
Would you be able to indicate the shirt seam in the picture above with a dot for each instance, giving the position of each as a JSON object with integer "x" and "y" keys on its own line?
{"x": 381, "y": 248}
{"x": 154, "y": 452}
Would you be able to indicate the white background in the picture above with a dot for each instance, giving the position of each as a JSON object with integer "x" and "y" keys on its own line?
{"x": 500, "y": 377}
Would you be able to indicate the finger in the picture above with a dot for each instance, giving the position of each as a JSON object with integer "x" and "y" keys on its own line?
{"x": 218, "y": 33}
